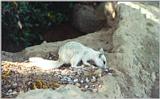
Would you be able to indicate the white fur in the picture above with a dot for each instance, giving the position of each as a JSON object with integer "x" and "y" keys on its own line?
{"x": 73, "y": 52}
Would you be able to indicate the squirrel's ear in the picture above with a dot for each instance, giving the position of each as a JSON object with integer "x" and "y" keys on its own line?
{"x": 101, "y": 50}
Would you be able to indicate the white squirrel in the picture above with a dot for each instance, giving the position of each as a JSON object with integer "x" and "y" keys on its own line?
{"x": 72, "y": 53}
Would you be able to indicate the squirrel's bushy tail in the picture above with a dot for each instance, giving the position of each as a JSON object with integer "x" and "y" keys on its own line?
{"x": 44, "y": 63}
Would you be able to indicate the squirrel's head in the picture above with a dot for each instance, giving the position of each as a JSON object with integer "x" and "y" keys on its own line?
{"x": 100, "y": 59}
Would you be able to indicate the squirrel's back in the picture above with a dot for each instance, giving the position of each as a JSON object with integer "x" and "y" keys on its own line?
{"x": 70, "y": 49}
{"x": 72, "y": 46}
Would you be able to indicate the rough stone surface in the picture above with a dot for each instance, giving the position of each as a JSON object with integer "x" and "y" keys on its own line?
{"x": 14, "y": 57}
{"x": 67, "y": 92}
{"x": 132, "y": 52}
{"x": 85, "y": 19}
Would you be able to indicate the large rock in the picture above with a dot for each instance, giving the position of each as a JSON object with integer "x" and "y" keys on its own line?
{"x": 14, "y": 57}
{"x": 85, "y": 19}
{"x": 133, "y": 54}
{"x": 90, "y": 18}
{"x": 135, "y": 49}
{"x": 67, "y": 92}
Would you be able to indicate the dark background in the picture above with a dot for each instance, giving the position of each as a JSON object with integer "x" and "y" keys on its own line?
{"x": 39, "y": 20}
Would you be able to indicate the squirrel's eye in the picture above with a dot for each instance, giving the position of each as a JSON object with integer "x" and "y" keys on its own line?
{"x": 104, "y": 62}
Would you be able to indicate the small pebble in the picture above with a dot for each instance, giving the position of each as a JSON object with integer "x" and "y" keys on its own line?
{"x": 7, "y": 94}
{"x": 106, "y": 70}
{"x": 100, "y": 86}
{"x": 14, "y": 85}
{"x": 93, "y": 79}
{"x": 14, "y": 92}
{"x": 75, "y": 80}
{"x": 78, "y": 84}
{"x": 82, "y": 81}
{"x": 93, "y": 86}
{"x": 87, "y": 80}
{"x": 69, "y": 79}
{"x": 79, "y": 72}
{"x": 86, "y": 86}
{"x": 64, "y": 79}
{"x": 10, "y": 90}
{"x": 59, "y": 76}
{"x": 110, "y": 74}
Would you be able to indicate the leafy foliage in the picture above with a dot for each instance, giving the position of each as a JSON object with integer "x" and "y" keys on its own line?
{"x": 35, "y": 18}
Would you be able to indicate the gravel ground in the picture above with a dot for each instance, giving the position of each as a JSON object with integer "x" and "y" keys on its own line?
{"x": 21, "y": 77}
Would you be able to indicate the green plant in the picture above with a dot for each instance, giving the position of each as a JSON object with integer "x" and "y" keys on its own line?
{"x": 35, "y": 18}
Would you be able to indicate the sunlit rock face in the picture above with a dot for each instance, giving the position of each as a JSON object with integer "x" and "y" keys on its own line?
{"x": 68, "y": 92}
{"x": 133, "y": 54}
